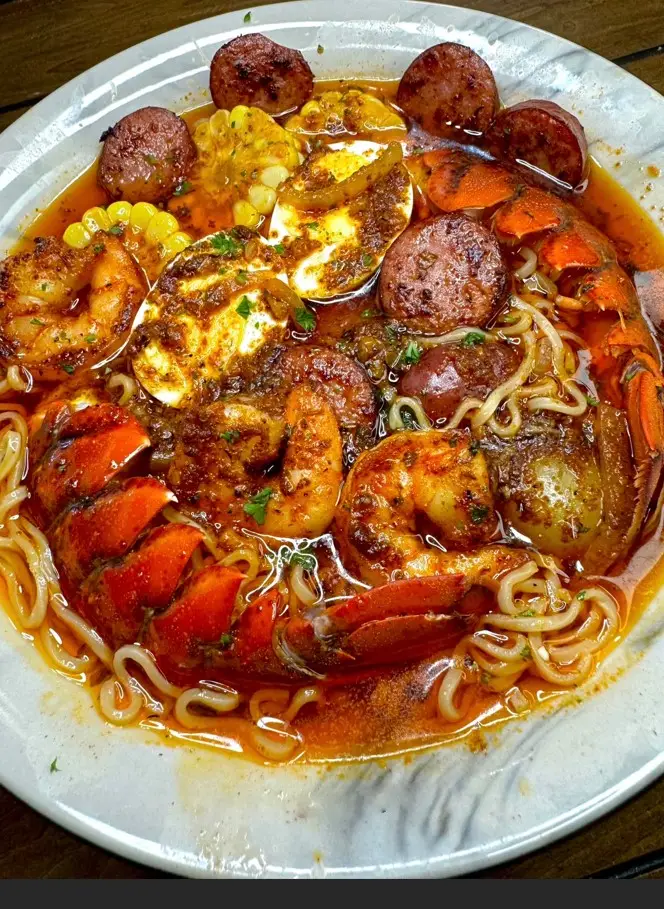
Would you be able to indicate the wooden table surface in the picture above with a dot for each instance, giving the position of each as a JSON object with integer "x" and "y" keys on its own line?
{"x": 47, "y": 42}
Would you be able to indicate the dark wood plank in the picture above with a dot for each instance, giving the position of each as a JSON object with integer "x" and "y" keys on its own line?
{"x": 650, "y": 70}
{"x": 47, "y": 42}
{"x": 14, "y": 112}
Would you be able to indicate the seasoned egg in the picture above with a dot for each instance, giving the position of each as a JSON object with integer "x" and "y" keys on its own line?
{"x": 207, "y": 309}
{"x": 333, "y": 251}
{"x": 349, "y": 111}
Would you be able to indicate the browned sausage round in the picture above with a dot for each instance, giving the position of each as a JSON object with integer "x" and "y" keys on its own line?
{"x": 146, "y": 156}
{"x": 450, "y": 90}
{"x": 255, "y": 71}
{"x": 447, "y": 374}
{"x": 542, "y": 134}
{"x": 344, "y": 382}
{"x": 441, "y": 273}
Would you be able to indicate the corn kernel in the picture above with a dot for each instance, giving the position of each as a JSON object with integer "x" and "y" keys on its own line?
{"x": 95, "y": 219}
{"x": 311, "y": 107}
{"x": 274, "y": 176}
{"x": 175, "y": 244}
{"x": 262, "y": 198}
{"x": 161, "y": 226}
{"x": 237, "y": 115}
{"x": 119, "y": 212}
{"x": 245, "y": 214}
{"x": 141, "y": 215}
{"x": 77, "y": 235}
{"x": 219, "y": 122}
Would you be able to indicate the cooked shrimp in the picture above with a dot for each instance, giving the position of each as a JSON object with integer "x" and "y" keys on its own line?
{"x": 409, "y": 484}
{"x": 62, "y": 308}
{"x": 305, "y": 498}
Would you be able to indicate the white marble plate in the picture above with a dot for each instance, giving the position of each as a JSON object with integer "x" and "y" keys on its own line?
{"x": 449, "y": 811}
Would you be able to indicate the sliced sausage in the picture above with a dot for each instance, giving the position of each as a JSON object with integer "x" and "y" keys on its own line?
{"x": 541, "y": 133}
{"x": 146, "y": 156}
{"x": 447, "y": 374}
{"x": 442, "y": 273}
{"x": 450, "y": 91}
{"x": 343, "y": 381}
{"x": 255, "y": 71}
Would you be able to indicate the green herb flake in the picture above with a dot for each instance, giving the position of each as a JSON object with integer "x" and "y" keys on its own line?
{"x": 257, "y": 506}
{"x": 54, "y": 766}
{"x": 525, "y": 653}
{"x": 242, "y": 277}
{"x": 90, "y": 339}
{"x": 247, "y": 18}
{"x": 184, "y": 188}
{"x": 474, "y": 447}
{"x": 226, "y": 640}
{"x": 527, "y": 614}
{"x": 391, "y": 333}
{"x": 308, "y": 561}
{"x": 116, "y": 230}
{"x": 312, "y": 225}
{"x": 44, "y": 287}
{"x": 367, "y": 260}
{"x": 473, "y": 339}
{"x": 581, "y": 595}
{"x": 478, "y": 513}
{"x": 369, "y": 313}
{"x": 244, "y": 307}
{"x": 98, "y": 248}
{"x": 412, "y": 353}
{"x": 231, "y": 436}
{"x": 225, "y": 245}
{"x": 592, "y": 400}
{"x": 320, "y": 49}
{"x": 305, "y": 319}
{"x": 279, "y": 248}
{"x": 67, "y": 368}
{"x": 37, "y": 322}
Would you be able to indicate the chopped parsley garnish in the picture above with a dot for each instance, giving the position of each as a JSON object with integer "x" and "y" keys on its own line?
{"x": 367, "y": 260}
{"x": 37, "y": 322}
{"x": 592, "y": 400}
{"x": 473, "y": 339}
{"x": 525, "y": 653}
{"x": 528, "y": 614}
{"x": 97, "y": 249}
{"x": 412, "y": 354}
{"x": 408, "y": 419}
{"x": 369, "y": 313}
{"x": 67, "y": 368}
{"x": 226, "y": 640}
{"x": 116, "y": 229}
{"x": 225, "y": 244}
{"x": 312, "y": 225}
{"x": 241, "y": 277}
{"x": 257, "y": 506}
{"x": 320, "y": 49}
{"x": 247, "y": 17}
{"x": 90, "y": 339}
{"x": 581, "y": 595}
{"x": 244, "y": 307}
{"x": 279, "y": 248}
{"x": 231, "y": 436}
{"x": 305, "y": 318}
{"x": 183, "y": 188}
{"x": 474, "y": 447}
{"x": 391, "y": 333}
{"x": 478, "y": 513}
{"x": 54, "y": 766}
{"x": 44, "y": 287}
{"x": 308, "y": 561}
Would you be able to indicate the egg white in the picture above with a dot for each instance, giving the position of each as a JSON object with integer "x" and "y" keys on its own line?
{"x": 334, "y": 229}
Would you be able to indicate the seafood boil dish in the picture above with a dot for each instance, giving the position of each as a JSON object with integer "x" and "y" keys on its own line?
{"x": 332, "y": 416}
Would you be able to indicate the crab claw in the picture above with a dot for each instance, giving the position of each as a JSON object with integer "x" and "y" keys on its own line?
{"x": 201, "y": 615}
{"x": 644, "y": 394}
{"x": 117, "y": 599}
{"x": 92, "y": 447}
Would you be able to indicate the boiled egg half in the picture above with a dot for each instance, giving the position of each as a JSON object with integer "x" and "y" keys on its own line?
{"x": 333, "y": 251}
